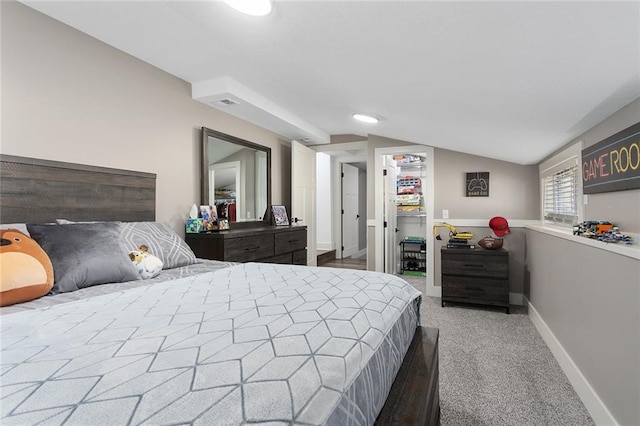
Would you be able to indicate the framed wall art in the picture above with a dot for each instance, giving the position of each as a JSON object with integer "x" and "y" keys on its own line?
{"x": 477, "y": 184}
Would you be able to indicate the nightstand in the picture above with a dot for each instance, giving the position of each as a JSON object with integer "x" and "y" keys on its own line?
{"x": 476, "y": 276}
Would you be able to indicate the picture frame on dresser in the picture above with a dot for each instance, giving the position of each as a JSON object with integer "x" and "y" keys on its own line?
{"x": 280, "y": 217}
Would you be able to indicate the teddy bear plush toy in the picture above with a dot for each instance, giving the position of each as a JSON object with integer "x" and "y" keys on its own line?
{"x": 147, "y": 265}
{"x": 26, "y": 272}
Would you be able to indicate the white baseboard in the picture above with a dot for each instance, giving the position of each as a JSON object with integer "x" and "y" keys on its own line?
{"x": 434, "y": 291}
{"x": 360, "y": 253}
{"x": 324, "y": 246}
{"x": 590, "y": 399}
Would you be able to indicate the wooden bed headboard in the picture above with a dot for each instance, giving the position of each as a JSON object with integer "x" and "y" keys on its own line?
{"x": 41, "y": 191}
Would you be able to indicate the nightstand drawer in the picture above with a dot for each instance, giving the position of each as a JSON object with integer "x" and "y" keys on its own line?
{"x": 474, "y": 265}
{"x": 475, "y": 289}
{"x": 246, "y": 249}
{"x": 290, "y": 241}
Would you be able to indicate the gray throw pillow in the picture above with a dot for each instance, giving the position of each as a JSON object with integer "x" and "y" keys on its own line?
{"x": 162, "y": 241}
{"x": 84, "y": 254}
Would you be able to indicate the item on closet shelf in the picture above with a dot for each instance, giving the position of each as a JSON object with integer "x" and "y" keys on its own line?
{"x": 407, "y": 159}
{"x": 491, "y": 243}
{"x": 408, "y": 184}
{"x": 408, "y": 199}
{"x": 409, "y": 209}
{"x": 499, "y": 226}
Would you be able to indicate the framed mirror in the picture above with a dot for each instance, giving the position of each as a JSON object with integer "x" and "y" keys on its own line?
{"x": 235, "y": 177}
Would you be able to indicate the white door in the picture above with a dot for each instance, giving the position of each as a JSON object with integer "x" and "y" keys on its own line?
{"x": 390, "y": 213}
{"x": 303, "y": 195}
{"x": 350, "y": 217}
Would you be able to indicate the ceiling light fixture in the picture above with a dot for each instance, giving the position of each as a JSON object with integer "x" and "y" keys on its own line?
{"x": 366, "y": 118}
{"x": 251, "y": 7}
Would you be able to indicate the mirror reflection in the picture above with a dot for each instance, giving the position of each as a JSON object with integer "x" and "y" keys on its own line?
{"x": 237, "y": 177}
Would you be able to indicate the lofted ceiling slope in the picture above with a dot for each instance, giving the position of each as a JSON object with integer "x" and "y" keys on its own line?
{"x": 512, "y": 81}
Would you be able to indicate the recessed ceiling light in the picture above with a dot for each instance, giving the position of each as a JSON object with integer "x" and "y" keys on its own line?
{"x": 251, "y": 7}
{"x": 366, "y": 118}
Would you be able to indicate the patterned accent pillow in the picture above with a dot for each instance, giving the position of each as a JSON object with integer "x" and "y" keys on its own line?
{"x": 162, "y": 241}
{"x": 84, "y": 254}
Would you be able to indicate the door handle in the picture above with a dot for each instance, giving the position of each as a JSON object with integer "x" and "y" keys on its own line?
{"x": 357, "y": 216}
{"x": 296, "y": 220}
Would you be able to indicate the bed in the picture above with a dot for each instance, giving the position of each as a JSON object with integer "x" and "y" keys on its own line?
{"x": 205, "y": 342}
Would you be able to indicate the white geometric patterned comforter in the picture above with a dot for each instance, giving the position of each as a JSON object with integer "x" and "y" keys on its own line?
{"x": 253, "y": 343}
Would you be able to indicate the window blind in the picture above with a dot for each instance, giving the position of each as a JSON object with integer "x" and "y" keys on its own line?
{"x": 560, "y": 197}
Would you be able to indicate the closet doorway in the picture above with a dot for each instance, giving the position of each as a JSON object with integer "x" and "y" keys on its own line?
{"x": 404, "y": 212}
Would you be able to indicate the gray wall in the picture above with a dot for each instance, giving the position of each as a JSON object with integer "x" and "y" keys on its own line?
{"x": 590, "y": 298}
{"x": 68, "y": 97}
{"x": 513, "y": 189}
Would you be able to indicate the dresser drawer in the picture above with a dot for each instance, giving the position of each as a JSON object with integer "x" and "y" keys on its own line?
{"x": 300, "y": 257}
{"x": 494, "y": 266}
{"x": 462, "y": 288}
{"x": 284, "y": 259}
{"x": 290, "y": 241}
{"x": 245, "y": 249}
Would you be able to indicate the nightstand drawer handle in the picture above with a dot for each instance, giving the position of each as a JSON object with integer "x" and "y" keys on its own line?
{"x": 474, "y": 265}
{"x": 251, "y": 249}
{"x": 474, "y": 288}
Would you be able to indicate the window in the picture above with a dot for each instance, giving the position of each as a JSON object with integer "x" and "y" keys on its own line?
{"x": 561, "y": 188}
{"x": 560, "y": 197}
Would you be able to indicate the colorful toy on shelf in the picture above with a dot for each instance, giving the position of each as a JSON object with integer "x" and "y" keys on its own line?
{"x": 615, "y": 236}
{"x": 602, "y": 230}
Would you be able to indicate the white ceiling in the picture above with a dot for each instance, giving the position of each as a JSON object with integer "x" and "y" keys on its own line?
{"x": 508, "y": 80}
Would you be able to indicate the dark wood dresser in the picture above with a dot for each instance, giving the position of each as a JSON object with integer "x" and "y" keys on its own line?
{"x": 475, "y": 276}
{"x": 269, "y": 244}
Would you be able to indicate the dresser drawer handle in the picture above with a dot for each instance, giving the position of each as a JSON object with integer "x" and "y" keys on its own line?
{"x": 474, "y": 265}
{"x": 251, "y": 249}
{"x": 480, "y": 289}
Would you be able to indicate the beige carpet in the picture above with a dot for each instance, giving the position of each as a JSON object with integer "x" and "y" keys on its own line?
{"x": 495, "y": 369}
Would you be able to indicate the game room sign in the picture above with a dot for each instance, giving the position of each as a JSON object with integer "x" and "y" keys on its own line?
{"x": 613, "y": 164}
